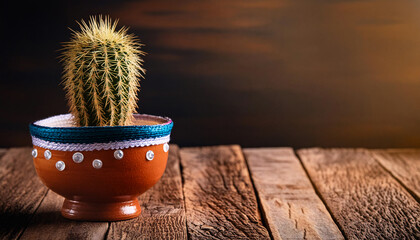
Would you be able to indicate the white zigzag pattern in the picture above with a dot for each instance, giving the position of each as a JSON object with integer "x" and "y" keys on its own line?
{"x": 98, "y": 146}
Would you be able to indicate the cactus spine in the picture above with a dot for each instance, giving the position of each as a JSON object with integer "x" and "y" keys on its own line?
{"x": 102, "y": 67}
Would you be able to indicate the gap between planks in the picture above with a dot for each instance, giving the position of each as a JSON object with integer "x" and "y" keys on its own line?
{"x": 261, "y": 210}
{"x": 321, "y": 197}
{"x": 290, "y": 205}
{"x": 403, "y": 165}
{"x": 364, "y": 198}
{"x": 219, "y": 197}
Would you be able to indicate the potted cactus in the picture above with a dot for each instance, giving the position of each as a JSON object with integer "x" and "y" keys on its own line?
{"x": 102, "y": 155}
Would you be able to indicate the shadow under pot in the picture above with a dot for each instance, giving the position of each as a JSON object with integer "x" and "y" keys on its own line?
{"x": 100, "y": 171}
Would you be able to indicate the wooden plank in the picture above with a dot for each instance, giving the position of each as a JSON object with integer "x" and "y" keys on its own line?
{"x": 366, "y": 201}
{"x": 3, "y": 151}
{"x": 290, "y": 204}
{"x": 48, "y": 223}
{"x": 21, "y": 192}
{"x": 219, "y": 197}
{"x": 404, "y": 164}
{"x": 163, "y": 212}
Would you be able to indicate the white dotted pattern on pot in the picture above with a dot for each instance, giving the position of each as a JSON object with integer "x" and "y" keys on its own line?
{"x": 47, "y": 154}
{"x": 150, "y": 155}
{"x": 60, "y": 165}
{"x": 34, "y": 153}
{"x": 118, "y": 154}
{"x": 97, "y": 163}
{"x": 166, "y": 147}
{"x": 78, "y": 157}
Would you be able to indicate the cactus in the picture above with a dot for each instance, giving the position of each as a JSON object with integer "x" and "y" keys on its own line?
{"x": 102, "y": 67}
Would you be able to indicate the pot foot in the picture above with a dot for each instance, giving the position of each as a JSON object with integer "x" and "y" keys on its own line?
{"x": 100, "y": 211}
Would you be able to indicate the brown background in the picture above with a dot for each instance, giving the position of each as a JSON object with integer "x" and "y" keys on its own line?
{"x": 257, "y": 73}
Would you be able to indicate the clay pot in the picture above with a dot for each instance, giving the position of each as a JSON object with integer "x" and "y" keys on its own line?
{"x": 100, "y": 170}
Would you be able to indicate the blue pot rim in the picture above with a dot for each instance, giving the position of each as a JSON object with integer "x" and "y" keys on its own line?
{"x": 95, "y": 134}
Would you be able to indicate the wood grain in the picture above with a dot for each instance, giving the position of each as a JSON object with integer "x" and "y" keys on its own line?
{"x": 219, "y": 196}
{"x": 48, "y": 223}
{"x": 291, "y": 207}
{"x": 21, "y": 192}
{"x": 163, "y": 212}
{"x": 403, "y": 164}
{"x": 366, "y": 201}
{"x": 3, "y": 151}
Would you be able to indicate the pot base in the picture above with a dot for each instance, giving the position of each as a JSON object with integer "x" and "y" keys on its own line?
{"x": 100, "y": 211}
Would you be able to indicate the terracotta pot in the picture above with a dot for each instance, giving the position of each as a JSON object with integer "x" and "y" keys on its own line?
{"x": 100, "y": 170}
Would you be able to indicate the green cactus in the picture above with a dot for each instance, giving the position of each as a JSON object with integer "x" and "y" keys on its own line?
{"x": 102, "y": 67}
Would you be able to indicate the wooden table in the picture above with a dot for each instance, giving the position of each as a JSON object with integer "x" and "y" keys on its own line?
{"x": 225, "y": 192}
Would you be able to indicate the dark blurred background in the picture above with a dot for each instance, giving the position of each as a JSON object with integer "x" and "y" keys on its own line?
{"x": 256, "y": 73}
